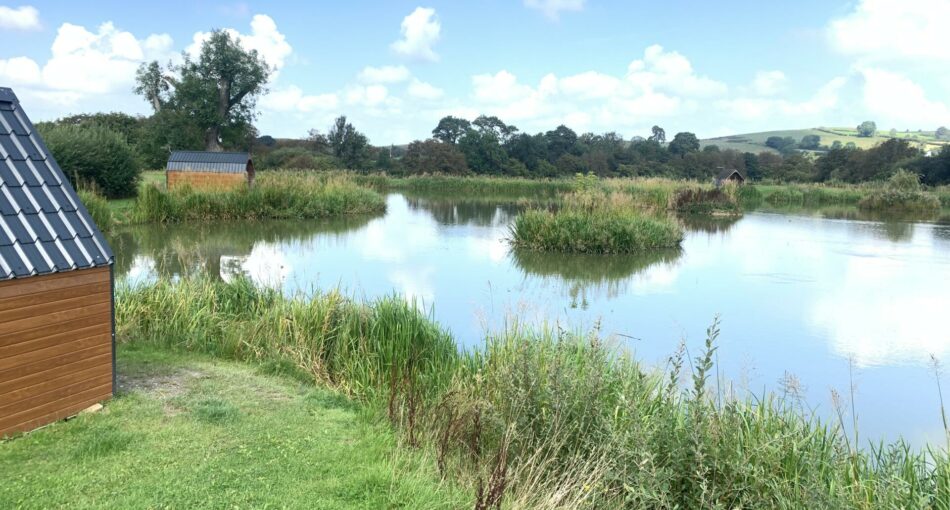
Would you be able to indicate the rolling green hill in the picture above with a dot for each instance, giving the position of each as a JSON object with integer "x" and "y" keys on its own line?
{"x": 755, "y": 142}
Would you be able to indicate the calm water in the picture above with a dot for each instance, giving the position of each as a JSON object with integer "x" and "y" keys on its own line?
{"x": 806, "y": 301}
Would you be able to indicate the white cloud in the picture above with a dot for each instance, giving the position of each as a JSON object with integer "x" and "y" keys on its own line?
{"x": 422, "y": 90}
{"x": 757, "y": 108}
{"x": 668, "y": 70}
{"x": 292, "y": 99}
{"x": 20, "y": 71}
{"x": 420, "y": 30}
{"x": 369, "y": 95}
{"x": 553, "y": 8}
{"x": 501, "y": 87}
{"x": 879, "y": 30}
{"x": 590, "y": 85}
{"x": 384, "y": 74}
{"x": 896, "y": 99}
{"x": 21, "y": 18}
{"x": 768, "y": 83}
{"x": 84, "y": 63}
{"x": 269, "y": 42}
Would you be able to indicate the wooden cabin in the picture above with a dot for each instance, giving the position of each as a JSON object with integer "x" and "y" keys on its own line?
{"x": 209, "y": 170}
{"x": 57, "y": 335}
{"x": 727, "y": 175}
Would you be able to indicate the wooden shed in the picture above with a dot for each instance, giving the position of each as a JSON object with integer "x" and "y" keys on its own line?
{"x": 57, "y": 336}
{"x": 209, "y": 170}
{"x": 727, "y": 175}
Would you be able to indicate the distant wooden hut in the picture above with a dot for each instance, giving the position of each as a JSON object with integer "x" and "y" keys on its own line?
{"x": 57, "y": 334}
{"x": 214, "y": 170}
{"x": 727, "y": 175}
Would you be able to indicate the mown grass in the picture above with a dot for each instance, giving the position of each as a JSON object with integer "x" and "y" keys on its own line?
{"x": 275, "y": 195}
{"x": 544, "y": 418}
{"x": 188, "y": 432}
{"x": 593, "y": 222}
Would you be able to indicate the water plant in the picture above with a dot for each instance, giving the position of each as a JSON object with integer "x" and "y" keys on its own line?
{"x": 594, "y": 222}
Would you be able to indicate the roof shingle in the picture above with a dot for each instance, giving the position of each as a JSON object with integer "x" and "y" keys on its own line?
{"x": 41, "y": 230}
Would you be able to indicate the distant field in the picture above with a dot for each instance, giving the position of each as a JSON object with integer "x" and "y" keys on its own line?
{"x": 755, "y": 142}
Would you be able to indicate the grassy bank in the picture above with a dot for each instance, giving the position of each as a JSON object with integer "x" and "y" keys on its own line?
{"x": 593, "y": 222}
{"x": 474, "y": 185}
{"x": 543, "y": 418}
{"x": 275, "y": 195}
{"x": 187, "y": 432}
{"x": 901, "y": 194}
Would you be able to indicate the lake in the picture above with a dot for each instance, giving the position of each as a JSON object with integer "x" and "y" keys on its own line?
{"x": 809, "y": 302}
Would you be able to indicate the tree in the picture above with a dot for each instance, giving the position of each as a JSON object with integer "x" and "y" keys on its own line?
{"x": 782, "y": 144}
{"x": 867, "y": 129}
{"x": 450, "y": 129}
{"x": 501, "y": 130}
{"x": 562, "y": 140}
{"x": 942, "y": 133}
{"x": 152, "y": 84}
{"x": 483, "y": 152}
{"x": 434, "y": 156}
{"x": 318, "y": 141}
{"x": 810, "y": 142}
{"x": 684, "y": 143}
{"x": 217, "y": 92}
{"x": 658, "y": 136}
{"x": 529, "y": 149}
{"x": 348, "y": 145}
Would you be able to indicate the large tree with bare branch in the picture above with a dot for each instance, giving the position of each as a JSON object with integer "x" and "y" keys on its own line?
{"x": 217, "y": 91}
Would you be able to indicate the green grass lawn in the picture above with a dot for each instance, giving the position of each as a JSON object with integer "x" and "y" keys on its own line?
{"x": 189, "y": 432}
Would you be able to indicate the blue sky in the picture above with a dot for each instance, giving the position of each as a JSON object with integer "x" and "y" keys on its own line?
{"x": 395, "y": 67}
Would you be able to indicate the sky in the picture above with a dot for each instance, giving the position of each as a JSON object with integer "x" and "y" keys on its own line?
{"x": 394, "y": 68}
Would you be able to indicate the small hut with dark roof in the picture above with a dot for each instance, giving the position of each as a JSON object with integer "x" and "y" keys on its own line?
{"x": 727, "y": 175}
{"x": 57, "y": 336}
{"x": 203, "y": 170}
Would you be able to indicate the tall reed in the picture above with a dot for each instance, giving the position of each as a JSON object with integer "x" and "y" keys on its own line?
{"x": 541, "y": 417}
{"x": 592, "y": 222}
{"x": 277, "y": 195}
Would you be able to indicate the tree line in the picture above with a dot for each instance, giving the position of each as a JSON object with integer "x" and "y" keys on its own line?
{"x": 208, "y": 102}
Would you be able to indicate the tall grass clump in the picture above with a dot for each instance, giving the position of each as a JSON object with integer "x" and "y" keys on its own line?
{"x": 593, "y": 222}
{"x": 542, "y": 417}
{"x": 902, "y": 193}
{"x": 810, "y": 195}
{"x": 278, "y": 195}
{"x": 98, "y": 208}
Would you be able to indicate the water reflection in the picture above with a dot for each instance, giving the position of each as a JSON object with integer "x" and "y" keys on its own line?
{"x": 221, "y": 250}
{"x": 453, "y": 211}
{"x": 709, "y": 224}
{"x": 583, "y": 277}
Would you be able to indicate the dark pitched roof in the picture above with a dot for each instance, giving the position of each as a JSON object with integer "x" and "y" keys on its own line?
{"x": 724, "y": 173}
{"x": 208, "y": 161}
{"x": 44, "y": 228}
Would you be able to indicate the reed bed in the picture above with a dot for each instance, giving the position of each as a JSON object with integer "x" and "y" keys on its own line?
{"x": 542, "y": 417}
{"x": 98, "y": 208}
{"x": 594, "y": 222}
{"x": 275, "y": 195}
{"x": 902, "y": 194}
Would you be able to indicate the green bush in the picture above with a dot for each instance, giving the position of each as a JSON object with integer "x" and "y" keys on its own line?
{"x": 96, "y": 156}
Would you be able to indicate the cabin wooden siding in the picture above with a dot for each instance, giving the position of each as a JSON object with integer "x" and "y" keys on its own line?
{"x": 56, "y": 346}
{"x": 205, "y": 180}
